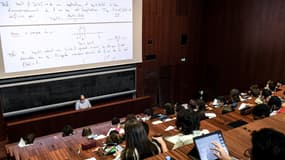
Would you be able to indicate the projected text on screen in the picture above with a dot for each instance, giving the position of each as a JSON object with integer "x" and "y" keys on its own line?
{"x": 38, "y": 34}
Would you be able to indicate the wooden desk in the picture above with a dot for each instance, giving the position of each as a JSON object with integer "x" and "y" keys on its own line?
{"x": 56, "y": 147}
{"x": 239, "y": 139}
{"x": 48, "y": 124}
{"x": 218, "y": 123}
{"x": 178, "y": 154}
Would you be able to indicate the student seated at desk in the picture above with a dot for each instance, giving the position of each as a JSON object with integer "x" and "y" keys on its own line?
{"x": 234, "y": 96}
{"x": 254, "y": 90}
{"x": 266, "y": 144}
{"x": 82, "y": 103}
{"x": 201, "y": 109}
{"x": 198, "y": 106}
{"x": 264, "y": 97}
{"x": 270, "y": 85}
{"x": 192, "y": 105}
{"x": 178, "y": 107}
{"x": 116, "y": 125}
{"x": 279, "y": 84}
{"x": 168, "y": 108}
{"x": 274, "y": 105}
{"x": 147, "y": 115}
{"x": 27, "y": 140}
{"x": 188, "y": 122}
{"x": 260, "y": 111}
{"x": 138, "y": 145}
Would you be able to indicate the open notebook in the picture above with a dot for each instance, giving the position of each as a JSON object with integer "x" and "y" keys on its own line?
{"x": 180, "y": 139}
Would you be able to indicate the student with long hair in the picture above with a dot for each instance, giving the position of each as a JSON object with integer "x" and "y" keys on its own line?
{"x": 138, "y": 145}
{"x": 188, "y": 122}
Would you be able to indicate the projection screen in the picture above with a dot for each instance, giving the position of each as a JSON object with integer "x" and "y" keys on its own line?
{"x": 51, "y": 36}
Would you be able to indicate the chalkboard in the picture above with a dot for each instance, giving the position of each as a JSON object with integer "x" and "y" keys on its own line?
{"x": 66, "y": 89}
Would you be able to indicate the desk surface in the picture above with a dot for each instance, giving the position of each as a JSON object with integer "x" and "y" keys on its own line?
{"x": 218, "y": 123}
{"x": 239, "y": 139}
{"x": 56, "y": 147}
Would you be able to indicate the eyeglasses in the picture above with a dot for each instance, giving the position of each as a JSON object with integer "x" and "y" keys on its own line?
{"x": 247, "y": 153}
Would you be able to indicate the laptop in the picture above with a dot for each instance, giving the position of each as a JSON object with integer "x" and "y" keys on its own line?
{"x": 204, "y": 145}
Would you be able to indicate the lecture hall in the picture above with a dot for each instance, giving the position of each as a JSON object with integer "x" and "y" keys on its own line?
{"x": 142, "y": 79}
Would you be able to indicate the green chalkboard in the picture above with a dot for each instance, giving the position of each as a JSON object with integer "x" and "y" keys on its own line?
{"x": 26, "y": 96}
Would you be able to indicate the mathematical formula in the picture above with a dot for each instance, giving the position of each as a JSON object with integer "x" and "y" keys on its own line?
{"x": 41, "y": 47}
{"x": 32, "y": 12}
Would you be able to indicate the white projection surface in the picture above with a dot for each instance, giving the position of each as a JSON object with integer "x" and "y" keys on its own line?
{"x": 49, "y": 36}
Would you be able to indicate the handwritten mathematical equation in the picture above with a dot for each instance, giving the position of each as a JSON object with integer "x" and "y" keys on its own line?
{"x": 56, "y": 46}
{"x": 25, "y": 12}
{"x": 114, "y": 48}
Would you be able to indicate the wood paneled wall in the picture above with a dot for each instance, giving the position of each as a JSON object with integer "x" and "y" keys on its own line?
{"x": 243, "y": 42}
{"x": 230, "y": 44}
{"x": 165, "y": 77}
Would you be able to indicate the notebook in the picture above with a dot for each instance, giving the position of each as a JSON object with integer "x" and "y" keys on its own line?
{"x": 204, "y": 145}
{"x": 181, "y": 140}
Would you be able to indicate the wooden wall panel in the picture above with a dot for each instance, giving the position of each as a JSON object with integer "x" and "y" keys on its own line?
{"x": 164, "y": 21}
{"x": 52, "y": 123}
{"x": 242, "y": 43}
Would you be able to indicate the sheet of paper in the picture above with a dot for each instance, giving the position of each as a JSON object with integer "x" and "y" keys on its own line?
{"x": 22, "y": 143}
{"x": 156, "y": 122}
{"x": 100, "y": 137}
{"x": 242, "y": 106}
{"x": 168, "y": 119}
{"x": 210, "y": 115}
{"x": 169, "y": 128}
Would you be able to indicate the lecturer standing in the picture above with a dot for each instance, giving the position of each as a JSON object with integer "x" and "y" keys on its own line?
{"x": 82, "y": 103}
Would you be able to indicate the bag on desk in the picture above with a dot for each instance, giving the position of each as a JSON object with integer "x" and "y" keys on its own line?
{"x": 246, "y": 111}
{"x": 227, "y": 109}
